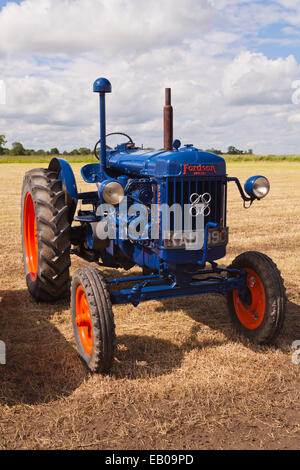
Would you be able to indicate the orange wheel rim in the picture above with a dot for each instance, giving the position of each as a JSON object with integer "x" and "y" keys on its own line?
{"x": 251, "y": 314}
{"x": 30, "y": 237}
{"x": 83, "y": 320}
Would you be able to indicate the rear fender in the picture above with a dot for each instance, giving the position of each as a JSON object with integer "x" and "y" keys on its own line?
{"x": 66, "y": 175}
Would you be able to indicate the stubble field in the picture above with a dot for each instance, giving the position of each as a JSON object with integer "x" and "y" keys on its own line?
{"x": 182, "y": 378}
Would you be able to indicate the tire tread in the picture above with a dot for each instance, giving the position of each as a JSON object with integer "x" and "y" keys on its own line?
{"x": 52, "y": 281}
{"x": 276, "y": 297}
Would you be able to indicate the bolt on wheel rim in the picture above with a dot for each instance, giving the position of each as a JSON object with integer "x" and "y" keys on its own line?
{"x": 30, "y": 237}
{"x": 251, "y": 315}
{"x": 83, "y": 320}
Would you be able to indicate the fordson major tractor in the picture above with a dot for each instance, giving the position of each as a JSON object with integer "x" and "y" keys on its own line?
{"x": 124, "y": 221}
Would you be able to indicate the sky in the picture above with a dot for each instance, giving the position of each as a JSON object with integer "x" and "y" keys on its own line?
{"x": 233, "y": 66}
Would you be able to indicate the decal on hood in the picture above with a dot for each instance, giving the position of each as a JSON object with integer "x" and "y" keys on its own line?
{"x": 199, "y": 169}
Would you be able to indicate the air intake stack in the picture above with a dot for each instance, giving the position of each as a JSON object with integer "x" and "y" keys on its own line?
{"x": 102, "y": 86}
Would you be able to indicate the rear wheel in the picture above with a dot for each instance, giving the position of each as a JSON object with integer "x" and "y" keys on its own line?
{"x": 259, "y": 312}
{"x": 92, "y": 318}
{"x": 45, "y": 235}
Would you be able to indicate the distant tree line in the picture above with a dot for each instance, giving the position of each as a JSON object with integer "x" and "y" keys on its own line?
{"x": 231, "y": 151}
{"x": 18, "y": 149}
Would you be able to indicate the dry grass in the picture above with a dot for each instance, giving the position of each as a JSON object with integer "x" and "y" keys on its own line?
{"x": 182, "y": 378}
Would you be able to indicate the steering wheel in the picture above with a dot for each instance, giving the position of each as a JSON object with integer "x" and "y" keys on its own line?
{"x": 107, "y": 146}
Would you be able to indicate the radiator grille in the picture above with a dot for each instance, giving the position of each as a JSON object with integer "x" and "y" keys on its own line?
{"x": 179, "y": 190}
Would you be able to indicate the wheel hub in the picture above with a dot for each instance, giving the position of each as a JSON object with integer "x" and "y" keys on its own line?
{"x": 30, "y": 237}
{"x": 83, "y": 320}
{"x": 250, "y": 306}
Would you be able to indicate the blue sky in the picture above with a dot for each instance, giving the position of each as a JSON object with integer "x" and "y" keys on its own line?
{"x": 232, "y": 65}
{"x": 271, "y": 42}
{"x": 4, "y": 2}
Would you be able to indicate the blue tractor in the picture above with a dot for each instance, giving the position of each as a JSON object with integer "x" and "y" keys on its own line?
{"x": 134, "y": 216}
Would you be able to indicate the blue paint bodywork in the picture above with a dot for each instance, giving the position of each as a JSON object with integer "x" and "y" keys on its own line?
{"x": 91, "y": 173}
{"x": 102, "y": 85}
{"x": 66, "y": 175}
{"x": 249, "y": 185}
{"x": 164, "y": 163}
{"x": 154, "y": 287}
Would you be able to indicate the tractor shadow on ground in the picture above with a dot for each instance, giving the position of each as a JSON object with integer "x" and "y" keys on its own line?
{"x": 145, "y": 356}
{"x": 211, "y": 310}
{"x": 41, "y": 365}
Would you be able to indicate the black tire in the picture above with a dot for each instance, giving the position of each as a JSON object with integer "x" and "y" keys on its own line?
{"x": 274, "y": 296}
{"x": 101, "y": 323}
{"x": 52, "y": 280}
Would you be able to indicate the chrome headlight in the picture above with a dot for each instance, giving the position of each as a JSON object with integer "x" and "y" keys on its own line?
{"x": 113, "y": 192}
{"x": 257, "y": 187}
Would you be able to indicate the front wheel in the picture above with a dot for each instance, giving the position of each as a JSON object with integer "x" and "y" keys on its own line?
{"x": 92, "y": 318}
{"x": 259, "y": 312}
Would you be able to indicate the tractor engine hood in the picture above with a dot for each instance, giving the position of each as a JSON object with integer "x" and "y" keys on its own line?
{"x": 187, "y": 161}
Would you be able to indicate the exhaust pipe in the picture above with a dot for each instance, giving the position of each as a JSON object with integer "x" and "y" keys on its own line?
{"x": 168, "y": 121}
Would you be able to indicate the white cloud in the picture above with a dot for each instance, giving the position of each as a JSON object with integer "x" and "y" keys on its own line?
{"x": 72, "y": 26}
{"x": 294, "y": 118}
{"x": 224, "y": 3}
{"x": 291, "y": 14}
{"x": 52, "y": 50}
{"x": 289, "y": 3}
{"x": 252, "y": 78}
